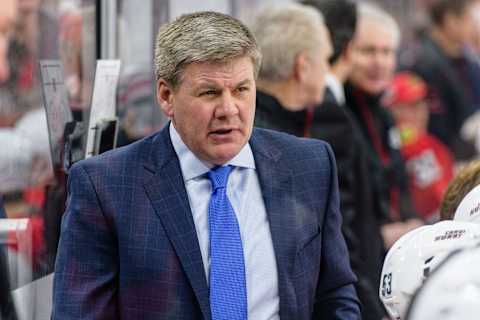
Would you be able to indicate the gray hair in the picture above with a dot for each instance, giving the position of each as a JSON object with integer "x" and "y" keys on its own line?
{"x": 282, "y": 33}
{"x": 372, "y": 12}
{"x": 201, "y": 37}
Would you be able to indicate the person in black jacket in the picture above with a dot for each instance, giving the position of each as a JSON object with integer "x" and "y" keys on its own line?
{"x": 375, "y": 44}
{"x": 439, "y": 57}
{"x": 291, "y": 77}
{"x": 333, "y": 122}
{"x": 280, "y": 106}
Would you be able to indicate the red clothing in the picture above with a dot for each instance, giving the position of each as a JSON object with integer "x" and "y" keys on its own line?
{"x": 429, "y": 166}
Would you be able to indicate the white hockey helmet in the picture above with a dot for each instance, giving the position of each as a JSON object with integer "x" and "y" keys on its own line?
{"x": 453, "y": 290}
{"x": 389, "y": 294}
{"x": 469, "y": 207}
{"x": 413, "y": 256}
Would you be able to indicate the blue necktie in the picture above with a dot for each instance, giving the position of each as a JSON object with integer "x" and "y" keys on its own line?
{"x": 228, "y": 289}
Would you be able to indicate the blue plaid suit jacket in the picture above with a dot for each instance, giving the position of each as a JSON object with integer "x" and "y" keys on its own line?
{"x": 129, "y": 250}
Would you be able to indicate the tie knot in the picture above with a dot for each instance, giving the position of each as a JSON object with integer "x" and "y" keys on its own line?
{"x": 219, "y": 176}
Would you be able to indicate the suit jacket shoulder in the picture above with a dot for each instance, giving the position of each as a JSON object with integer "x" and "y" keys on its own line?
{"x": 113, "y": 160}
{"x": 292, "y": 148}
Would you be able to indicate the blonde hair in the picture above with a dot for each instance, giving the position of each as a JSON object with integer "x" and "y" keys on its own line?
{"x": 201, "y": 37}
{"x": 370, "y": 12}
{"x": 282, "y": 33}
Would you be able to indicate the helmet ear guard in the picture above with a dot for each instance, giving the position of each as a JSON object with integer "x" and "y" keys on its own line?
{"x": 415, "y": 255}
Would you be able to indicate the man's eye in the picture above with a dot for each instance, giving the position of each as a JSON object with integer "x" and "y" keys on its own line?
{"x": 208, "y": 93}
{"x": 367, "y": 50}
{"x": 243, "y": 89}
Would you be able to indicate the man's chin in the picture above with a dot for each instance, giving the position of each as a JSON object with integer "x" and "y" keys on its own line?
{"x": 375, "y": 88}
{"x": 223, "y": 154}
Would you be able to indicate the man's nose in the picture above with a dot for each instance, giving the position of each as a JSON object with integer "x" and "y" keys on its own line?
{"x": 227, "y": 106}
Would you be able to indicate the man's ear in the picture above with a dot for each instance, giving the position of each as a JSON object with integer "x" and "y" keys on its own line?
{"x": 165, "y": 97}
{"x": 300, "y": 66}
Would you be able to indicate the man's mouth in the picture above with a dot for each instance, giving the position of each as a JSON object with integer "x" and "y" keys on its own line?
{"x": 376, "y": 76}
{"x": 222, "y": 131}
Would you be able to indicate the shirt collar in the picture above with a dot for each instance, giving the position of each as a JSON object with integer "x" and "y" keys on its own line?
{"x": 193, "y": 167}
{"x": 336, "y": 87}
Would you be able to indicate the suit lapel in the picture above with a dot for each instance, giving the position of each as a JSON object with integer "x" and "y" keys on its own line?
{"x": 168, "y": 195}
{"x": 277, "y": 190}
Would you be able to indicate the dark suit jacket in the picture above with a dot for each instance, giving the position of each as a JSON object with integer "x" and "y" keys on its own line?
{"x": 128, "y": 246}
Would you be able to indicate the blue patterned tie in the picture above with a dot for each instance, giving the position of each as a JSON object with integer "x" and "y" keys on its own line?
{"x": 228, "y": 289}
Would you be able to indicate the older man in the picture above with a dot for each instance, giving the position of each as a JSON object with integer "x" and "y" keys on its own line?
{"x": 158, "y": 230}
{"x": 292, "y": 75}
{"x": 375, "y": 43}
{"x": 331, "y": 121}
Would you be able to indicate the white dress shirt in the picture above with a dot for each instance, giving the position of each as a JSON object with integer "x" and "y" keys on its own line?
{"x": 245, "y": 195}
{"x": 336, "y": 87}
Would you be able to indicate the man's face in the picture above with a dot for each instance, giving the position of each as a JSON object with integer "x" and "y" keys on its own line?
{"x": 212, "y": 108}
{"x": 462, "y": 27}
{"x": 374, "y": 56}
{"x": 8, "y": 14}
{"x": 317, "y": 69}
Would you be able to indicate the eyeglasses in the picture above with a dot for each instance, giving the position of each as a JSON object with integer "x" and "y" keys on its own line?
{"x": 373, "y": 51}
